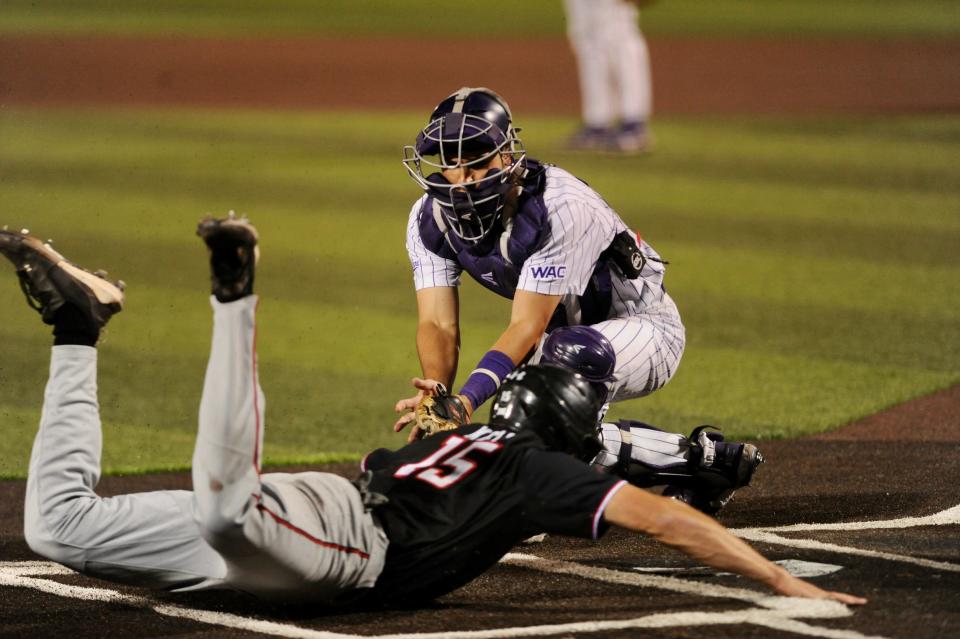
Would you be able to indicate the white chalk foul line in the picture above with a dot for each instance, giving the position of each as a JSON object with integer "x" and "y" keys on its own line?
{"x": 946, "y": 517}
{"x": 13, "y": 575}
{"x": 950, "y": 516}
{"x": 793, "y": 606}
{"x": 773, "y": 538}
{"x": 779, "y": 612}
{"x": 756, "y": 616}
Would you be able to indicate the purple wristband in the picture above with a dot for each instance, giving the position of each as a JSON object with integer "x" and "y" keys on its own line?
{"x": 486, "y": 377}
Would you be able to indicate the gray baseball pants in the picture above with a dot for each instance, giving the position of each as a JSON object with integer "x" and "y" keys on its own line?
{"x": 299, "y": 536}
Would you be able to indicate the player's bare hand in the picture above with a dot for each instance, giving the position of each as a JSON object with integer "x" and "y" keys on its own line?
{"x": 408, "y": 406}
{"x": 793, "y": 587}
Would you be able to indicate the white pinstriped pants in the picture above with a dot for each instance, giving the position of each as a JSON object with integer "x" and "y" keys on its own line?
{"x": 613, "y": 61}
{"x": 648, "y": 347}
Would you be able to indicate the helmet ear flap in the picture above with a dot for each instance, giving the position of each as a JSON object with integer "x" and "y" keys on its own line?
{"x": 589, "y": 448}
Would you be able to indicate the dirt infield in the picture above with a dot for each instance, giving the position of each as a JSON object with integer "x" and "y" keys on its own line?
{"x": 690, "y": 76}
{"x": 897, "y": 464}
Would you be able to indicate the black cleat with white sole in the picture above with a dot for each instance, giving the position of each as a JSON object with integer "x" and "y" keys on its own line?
{"x": 49, "y": 281}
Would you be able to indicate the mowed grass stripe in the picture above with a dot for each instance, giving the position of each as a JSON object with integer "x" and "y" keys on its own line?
{"x": 758, "y": 394}
{"x": 760, "y": 277}
{"x": 813, "y": 291}
{"x": 531, "y": 18}
{"x": 149, "y": 403}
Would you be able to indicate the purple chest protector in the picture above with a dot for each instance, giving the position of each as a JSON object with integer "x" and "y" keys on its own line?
{"x": 494, "y": 261}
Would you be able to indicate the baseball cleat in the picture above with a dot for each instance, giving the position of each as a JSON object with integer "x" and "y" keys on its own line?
{"x": 232, "y": 244}
{"x": 590, "y": 139}
{"x": 631, "y": 138}
{"x": 49, "y": 281}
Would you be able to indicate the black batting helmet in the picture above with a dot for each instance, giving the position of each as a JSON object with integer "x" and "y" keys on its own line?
{"x": 468, "y": 128}
{"x": 559, "y": 405}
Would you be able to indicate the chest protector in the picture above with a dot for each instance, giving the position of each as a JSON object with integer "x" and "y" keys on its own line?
{"x": 496, "y": 260}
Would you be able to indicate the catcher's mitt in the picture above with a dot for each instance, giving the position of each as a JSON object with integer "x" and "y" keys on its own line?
{"x": 440, "y": 412}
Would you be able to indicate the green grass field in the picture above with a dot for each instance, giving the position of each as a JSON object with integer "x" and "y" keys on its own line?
{"x": 501, "y": 18}
{"x": 815, "y": 263}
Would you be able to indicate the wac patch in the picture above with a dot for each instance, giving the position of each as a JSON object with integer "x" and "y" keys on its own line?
{"x": 548, "y": 272}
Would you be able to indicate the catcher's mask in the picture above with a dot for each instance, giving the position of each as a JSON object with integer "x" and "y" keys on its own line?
{"x": 558, "y": 404}
{"x": 584, "y": 350}
{"x": 467, "y": 129}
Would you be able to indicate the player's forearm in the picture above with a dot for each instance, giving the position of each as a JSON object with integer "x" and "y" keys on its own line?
{"x": 519, "y": 340}
{"x": 701, "y": 537}
{"x": 680, "y": 526}
{"x": 513, "y": 347}
{"x": 439, "y": 350}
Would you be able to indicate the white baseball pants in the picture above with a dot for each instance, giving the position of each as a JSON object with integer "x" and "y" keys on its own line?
{"x": 613, "y": 61}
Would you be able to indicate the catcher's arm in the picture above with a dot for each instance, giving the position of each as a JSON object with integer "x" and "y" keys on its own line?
{"x": 438, "y": 347}
{"x": 676, "y": 524}
{"x": 438, "y": 332}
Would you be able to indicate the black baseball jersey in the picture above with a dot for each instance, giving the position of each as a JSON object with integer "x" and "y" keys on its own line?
{"x": 458, "y": 501}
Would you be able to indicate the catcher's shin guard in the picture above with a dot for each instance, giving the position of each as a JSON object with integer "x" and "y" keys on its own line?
{"x": 702, "y": 469}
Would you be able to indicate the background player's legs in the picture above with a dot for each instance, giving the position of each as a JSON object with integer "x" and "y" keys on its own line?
{"x": 288, "y": 536}
{"x": 648, "y": 348}
{"x": 631, "y": 60}
{"x": 146, "y": 539}
{"x": 585, "y": 31}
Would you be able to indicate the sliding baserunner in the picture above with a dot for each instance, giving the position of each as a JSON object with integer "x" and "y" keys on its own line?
{"x": 443, "y": 509}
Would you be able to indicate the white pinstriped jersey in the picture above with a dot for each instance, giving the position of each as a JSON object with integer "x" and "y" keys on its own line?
{"x": 581, "y": 226}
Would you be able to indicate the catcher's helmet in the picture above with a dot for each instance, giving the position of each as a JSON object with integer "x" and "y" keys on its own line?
{"x": 469, "y": 128}
{"x": 558, "y": 404}
{"x": 584, "y": 350}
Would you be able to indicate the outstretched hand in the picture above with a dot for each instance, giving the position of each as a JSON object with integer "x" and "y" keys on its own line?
{"x": 794, "y": 587}
{"x": 408, "y": 407}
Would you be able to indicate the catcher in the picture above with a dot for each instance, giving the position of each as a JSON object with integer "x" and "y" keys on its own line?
{"x": 533, "y": 233}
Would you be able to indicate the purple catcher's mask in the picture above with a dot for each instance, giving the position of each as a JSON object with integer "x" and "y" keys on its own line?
{"x": 468, "y": 129}
{"x": 470, "y": 210}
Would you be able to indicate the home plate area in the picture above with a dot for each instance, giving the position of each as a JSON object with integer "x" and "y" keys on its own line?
{"x": 533, "y": 594}
{"x": 882, "y": 537}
